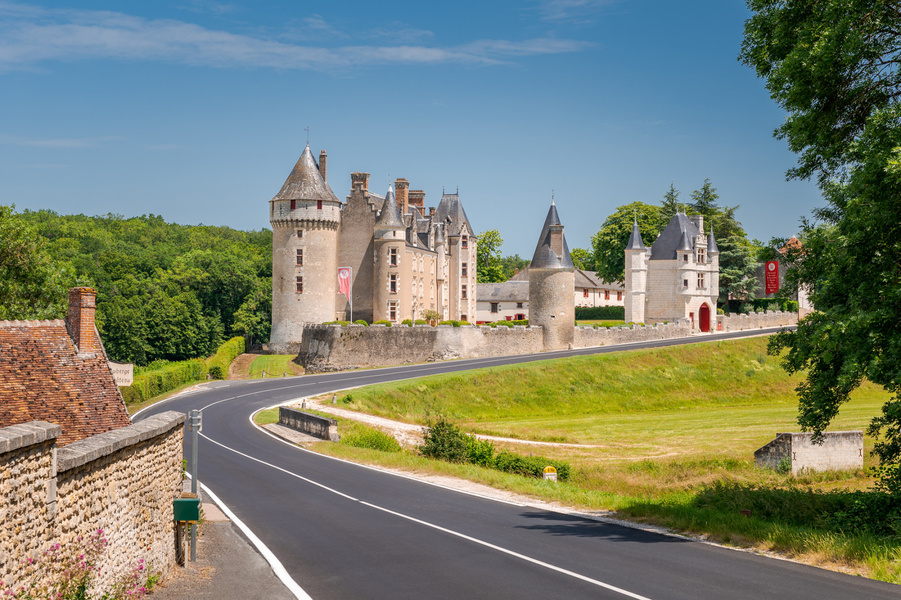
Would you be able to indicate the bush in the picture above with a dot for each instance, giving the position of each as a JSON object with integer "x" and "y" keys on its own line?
{"x": 170, "y": 375}
{"x": 420, "y": 322}
{"x": 783, "y": 304}
{"x": 384, "y": 322}
{"x": 479, "y": 452}
{"x": 454, "y": 323}
{"x": 407, "y": 322}
{"x": 445, "y": 441}
{"x": 530, "y": 466}
{"x": 600, "y": 313}
{"x": 361, "y": 322}
{"x": 222, "y": 360}
{"x": 341, "y": 323}
{"x": 368, "y": 437}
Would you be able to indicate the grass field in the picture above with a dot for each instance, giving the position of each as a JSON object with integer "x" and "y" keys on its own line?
{"x": 275, "y": 365}
{"x": 666, "y": 435}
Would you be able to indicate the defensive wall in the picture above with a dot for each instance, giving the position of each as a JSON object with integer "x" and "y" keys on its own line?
{"x": 337, "y": 347}
{"x": 122, "y": 481}
{"x": 838, "y": 450}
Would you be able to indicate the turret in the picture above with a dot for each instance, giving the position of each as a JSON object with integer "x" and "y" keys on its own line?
{"x": 390, "y": 243}
{"x": 551, "y": 285}
{"x": 636, "y": 277}
{"x": 304, "y": 215}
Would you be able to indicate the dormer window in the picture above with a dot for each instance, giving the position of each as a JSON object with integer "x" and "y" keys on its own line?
{"x": 465, "y": 241}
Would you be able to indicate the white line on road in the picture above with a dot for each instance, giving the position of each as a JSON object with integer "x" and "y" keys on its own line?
{"x": 529, "y": 559}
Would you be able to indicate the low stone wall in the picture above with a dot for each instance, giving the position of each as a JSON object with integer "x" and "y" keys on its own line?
{"x": 314, "y": 425}
{"x": 122, "y": 482}
{"x": 770, "y": 318}
{"x": 839, "y": 451}
{"x": 587, "y": 337}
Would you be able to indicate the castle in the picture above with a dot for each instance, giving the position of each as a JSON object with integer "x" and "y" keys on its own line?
{"x": 372, "y": 257}
{"x": 677, "y": 278}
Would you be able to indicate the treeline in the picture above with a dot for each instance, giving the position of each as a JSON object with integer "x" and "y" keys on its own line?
{"x": 164, "y": 291}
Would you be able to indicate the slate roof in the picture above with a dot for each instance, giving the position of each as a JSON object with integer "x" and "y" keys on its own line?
{"x": 505, "y": 291}
{"x": 451, "y": 207}
{"x": 635, "y": 241}
{"x": 390, "y": 215}
{"x": 583, "y": 279}
{"x": 305, "y": 181}
{"x": 668, "y": 242}
{"x": 544, "y": 257}
{"x": 42, "y": 377}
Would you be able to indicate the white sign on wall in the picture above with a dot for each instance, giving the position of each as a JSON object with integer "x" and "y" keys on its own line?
{"x": 123, "y": 373}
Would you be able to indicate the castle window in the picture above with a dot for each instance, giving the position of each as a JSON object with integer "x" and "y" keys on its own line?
{"x": 700, "y": 280}
{"x": 319, "y": 204}
{"x": 300, "y": 257}
{"x": 392, "y": 311}
{"x": 465, "y": 242}
{"x": 701, "y": 256}
{"x": 684, "y": 258}
{"x": 392, "y": 283}
{"x": 494, "y": 307}
{"x": 464, "y": 295}
{"x": 293, "y": 204}
{"x": 684, "y": 283}
{"x": 300, "y": 233}
{"x": 299, "y": 284}
{"x": 465, "y": 270}
{"x": 519, "y": 305}
{"x": 585, "y": 293}
{"x": 606, "y": 294}
{"x": 619, "y": 295}
{"x": 392, "y": 257}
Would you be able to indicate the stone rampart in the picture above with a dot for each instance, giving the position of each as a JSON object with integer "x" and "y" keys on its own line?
{"x": 839, "y": 450}
{"x": 754, "y": 320}
{"x": 122, "y": 481}
{"x": 587, "y": 337}
{"x": 314, "y": 425}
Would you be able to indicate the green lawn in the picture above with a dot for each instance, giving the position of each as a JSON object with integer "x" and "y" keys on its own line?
{"x": 275, "y": 365}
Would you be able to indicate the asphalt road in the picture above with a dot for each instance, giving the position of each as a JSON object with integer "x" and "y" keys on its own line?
{"x": 347, "y": 531}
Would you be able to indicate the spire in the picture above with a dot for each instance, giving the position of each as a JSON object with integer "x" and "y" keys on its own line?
{"x": 305, "y": 181}
{"x": 635, "y": 241}
{"x": 390, "y": 216}
{"x": 684, "y": 243}
{"x": 711, "y": 244}
{"x": 552, "y": 251}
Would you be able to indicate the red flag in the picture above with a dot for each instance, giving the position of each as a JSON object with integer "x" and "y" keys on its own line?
{"x": 772, "y": 277}
{"x": 344, "y": 281}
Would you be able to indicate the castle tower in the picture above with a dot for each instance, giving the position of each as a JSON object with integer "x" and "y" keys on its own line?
{"x": 390, "y": 242}
{"x": 636, "y": 276}
{"x": 304, "y": 215}
{"x": 551, "y": 285}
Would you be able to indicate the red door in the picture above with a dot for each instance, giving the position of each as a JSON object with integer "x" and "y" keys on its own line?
{"x": 704, "y": 318}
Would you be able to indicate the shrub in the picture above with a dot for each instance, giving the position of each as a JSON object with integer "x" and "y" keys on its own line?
{"x": 150, "y": 383}
{"x": 361, "y": 322}
{"x": 222, "y": 360}
{"x": 530, "y": 466}
{"x": 368, "y": 437}
{"x": 445, "y": 441}
{"x": 479, "y": 452}
{"x": 420, "y": 322}
{"x": 407, "y": 322}
{"x": 341, "y": 323}
{"x": 384, "y": 322}
{"x": 600, "y": 313}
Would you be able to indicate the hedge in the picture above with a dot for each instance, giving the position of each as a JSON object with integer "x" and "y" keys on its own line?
{"x": 222, "y": 360}
{"x": 150, "y": 383}
{"x": 600, "y": 313}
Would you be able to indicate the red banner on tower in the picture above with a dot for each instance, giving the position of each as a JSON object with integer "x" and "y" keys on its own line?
{"x": 344, "y": 281}
{"x": 772, "y": 277}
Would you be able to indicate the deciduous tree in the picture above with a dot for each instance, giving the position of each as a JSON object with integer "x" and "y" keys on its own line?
{"x": 609, "y": 243}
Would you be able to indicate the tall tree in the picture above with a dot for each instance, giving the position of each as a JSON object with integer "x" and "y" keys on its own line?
{"x": 609, "y": 243}
{"x": 738, "y": 266}
{"x": 489, "y": 257}
{"x": 833, "y": 65}
{"x": 32, "y": 284}
{"x": 670, "y": 204}
{"x": 582, "y": 259}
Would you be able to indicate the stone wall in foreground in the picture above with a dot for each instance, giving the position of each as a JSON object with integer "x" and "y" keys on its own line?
{"x": 753, "y": 320}
{"x": 838, "y": 451}
{"x": 122, "y": 481}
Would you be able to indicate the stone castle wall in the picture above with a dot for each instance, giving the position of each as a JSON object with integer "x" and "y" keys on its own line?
{"x": 587, "y": 337}
{"x": 122, "y": 481}
{"x": 756, "y": 320}
{"x": 839, "y": 450}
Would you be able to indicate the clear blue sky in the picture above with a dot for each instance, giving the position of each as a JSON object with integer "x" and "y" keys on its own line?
{"x": 196, "y": 110}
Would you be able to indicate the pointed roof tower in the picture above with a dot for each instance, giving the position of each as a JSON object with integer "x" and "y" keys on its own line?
{"x": 711, "y": 243}
{"x": 305, "y": 181}
{"x": 635, "y": 241}
{"x": 390, "y": 217}
{"x": 552, "y": 252}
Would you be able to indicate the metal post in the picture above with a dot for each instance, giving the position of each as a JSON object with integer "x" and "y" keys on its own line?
{"x": 195, "y": 431}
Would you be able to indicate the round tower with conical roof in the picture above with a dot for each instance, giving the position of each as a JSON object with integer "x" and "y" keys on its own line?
{"x": 304, "y": 215}
{"x": 389, "y": 244}
{"x": 552, "y": 284}
{"x": 636, "y": 279}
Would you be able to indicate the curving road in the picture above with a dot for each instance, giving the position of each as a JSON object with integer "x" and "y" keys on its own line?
{"x": 346, "y": 531}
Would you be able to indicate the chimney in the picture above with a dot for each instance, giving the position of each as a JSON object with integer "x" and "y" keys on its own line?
{"x": 417, "y": 198}
{"x": 360, "y": 180}
{"x": 431, "y": 211}
{"x": 323, "y": 161}
{"x": 401, "y": 189}
{"x": 80, "y": 320}
{"x": 698, "y": 221}
{"x": 557, "y": 239}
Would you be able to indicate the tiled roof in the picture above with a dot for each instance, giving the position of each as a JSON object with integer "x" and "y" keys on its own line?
{"x": 43, "y": 377}
{"x": 305, "y": 181}
{"x": 505, "y": 291}
{"x": 544, "y": 257}
{"x": 450, "y": 211}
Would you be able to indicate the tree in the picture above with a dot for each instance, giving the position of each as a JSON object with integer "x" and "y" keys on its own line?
{"x": 738, "y": 266}
{"x": 512, "y": 264}
{"x": 833, "y": 65}
{"x": 670, "y": 204}
{"x": 582, "y": 259}
{"x": 489, "y": 257}
{"x": 32, "y": 284}
{"x": 609, "y": 243}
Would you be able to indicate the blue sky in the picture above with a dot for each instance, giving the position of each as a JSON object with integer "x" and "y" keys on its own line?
{"x": 196, "y": 110}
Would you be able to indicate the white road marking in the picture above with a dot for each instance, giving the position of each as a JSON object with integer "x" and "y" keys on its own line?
{"x": 529, "y": 559}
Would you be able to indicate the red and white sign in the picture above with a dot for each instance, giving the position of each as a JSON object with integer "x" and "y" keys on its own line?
{"x": 344, "y": 281}
{"x": 772, "y": 277}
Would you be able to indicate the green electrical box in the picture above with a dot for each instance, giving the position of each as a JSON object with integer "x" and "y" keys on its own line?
{"x": 186, "y": 509}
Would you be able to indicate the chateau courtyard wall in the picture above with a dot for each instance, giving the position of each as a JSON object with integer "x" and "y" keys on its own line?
{"x": 122, "y": 481}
